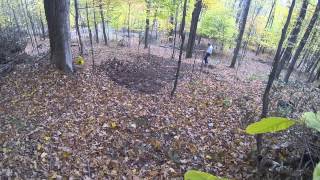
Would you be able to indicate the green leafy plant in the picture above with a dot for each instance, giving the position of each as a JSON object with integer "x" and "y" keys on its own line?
{"x": 312, "y": 120}
{"x": 275, "y": 124}
{"x": 198, "y": 175}
{"x": 269, "y": 125}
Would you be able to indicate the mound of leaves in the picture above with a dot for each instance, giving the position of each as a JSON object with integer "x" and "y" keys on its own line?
{"x": 147, "y": 74}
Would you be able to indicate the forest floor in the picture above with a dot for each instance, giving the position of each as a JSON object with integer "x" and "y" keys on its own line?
{"x": 120, "y": 122}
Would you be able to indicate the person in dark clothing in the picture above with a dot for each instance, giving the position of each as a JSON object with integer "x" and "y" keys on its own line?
{"x": 208, "y": 53}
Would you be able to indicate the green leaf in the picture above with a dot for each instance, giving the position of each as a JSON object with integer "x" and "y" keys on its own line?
{"x": 316, "y": 172}
{"x": 312, "y": 120}
{"x": 198, "y": 175}
{"x": 269, "y": 125}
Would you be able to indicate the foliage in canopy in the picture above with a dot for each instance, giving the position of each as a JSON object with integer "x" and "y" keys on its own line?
{"x": 218, "y": 23}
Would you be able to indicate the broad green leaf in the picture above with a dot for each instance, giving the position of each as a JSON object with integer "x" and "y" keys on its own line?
{"x": 198, "y": 175}
{"x": 312, "y": 120}
{"x": 316, "y": 172}
{"x": 269, "y": 125}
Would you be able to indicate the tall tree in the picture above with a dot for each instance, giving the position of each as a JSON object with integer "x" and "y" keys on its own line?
{"x": 95, "y": 21}
{"x": 129, "y": 17}
{"x": 193, "y": 28}
{"x": 271, "y": 14}
{"x": 303, "y": 42}
{"x": 42, "y": 26}
{"x": 27, "y": 13}
{"x": 57, "y": 15}
{"x": 175, "y": 30}
{"x": 182, "y": 36}
{"x": 146, "y": 34}
{"x": 240, "y": 36}
{"x": 76, "y": 8}
{"x": 103, "y": 23}
{"x": 266, "y": 99}
{"x": 293, "y": 37}
{"x": 90, "y": 36}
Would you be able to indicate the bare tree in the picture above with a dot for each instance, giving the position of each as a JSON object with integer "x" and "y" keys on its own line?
{"x": 240, "y": 36}
{"x": 95, "y": 21}
{"x": 76, "y": 8}
{"x": 293, "y": 37}
{"x": 90, "y": 35}
{"x": 265, "y": 99}
{"x": 146, "y": 34}
{"x": 303, "y": 41}
{"x": 103, "y": 23}
{"x": 183, "y": 36}
{"x": 175, "y": 31}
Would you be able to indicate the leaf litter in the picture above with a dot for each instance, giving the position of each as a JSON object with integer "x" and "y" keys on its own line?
{"x": 119, "y": 122}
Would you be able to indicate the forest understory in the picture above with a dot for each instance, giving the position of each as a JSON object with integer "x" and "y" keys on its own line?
{"x": 118, "y": 121}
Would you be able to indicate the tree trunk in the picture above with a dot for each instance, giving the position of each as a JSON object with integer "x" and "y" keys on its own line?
{"x": 57, "y": 15}
{"x": 239, "y": 11}
{"x": 129, "y": 16}
{"x": 76, "y": 8}
{"x": 90, "y": 36}
{"x": 265, "y": 100}
{"x": 271, "y": 15}
{"x": 193, "y": 28}
{"x": 175, "y": 31}
{"x": 146, "y": 34}
{"x": 95, "y": 21}
{"x": 32, "y": 24}
{"x": 171, "y": 21}
{"x": 42, "y": 27}
{"x": 183, "y": 36}
{"x": 103, "y": 24}
{"x": 314, "y": 67}
{"x": 269, "y": 24}
{"x": 293, "y": 37}
{"x": 15, "y": 17}
{"x": 240, "y": 36}
{"x": 303, "y": 42}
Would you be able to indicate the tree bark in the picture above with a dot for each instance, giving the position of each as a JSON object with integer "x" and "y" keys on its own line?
{"x": 271, "y": 15}
{"x": 90, "y": 36}
{"x": 129, "y": 16}
{"x": 303, "y": 42}
{"x": 15, "y": 17}
{"x": 95, "y": 22}
{"x": 239, "y": 11}
{"x": 265, "y": 100}
{"x": 193, "y": 28}
{"x": 314, "y": 67}
{"x": 32, "y": 24}
{"x": 171, "y": 21}
{"x": 76, "y": 8}
{"x": 183, "y": 36}
{"x": 175, "y": 32}
{"x": 240, "y": 36}
{"x": 103, "y": 24}
{"x": 42, "y": 27}
{"x": 57, "y": 15}
{"x": 293, "y": 37}
{"x": 146, "y": 34}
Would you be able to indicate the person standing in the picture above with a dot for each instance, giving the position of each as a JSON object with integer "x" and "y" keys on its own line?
{"x": 208, "y": 53}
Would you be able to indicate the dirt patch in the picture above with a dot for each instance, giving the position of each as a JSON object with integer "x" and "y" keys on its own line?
{"x": 141, "y": 74}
